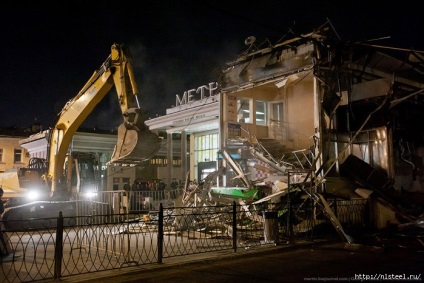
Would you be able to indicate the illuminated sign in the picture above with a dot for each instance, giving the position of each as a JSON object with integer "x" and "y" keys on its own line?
{"x": 189, "y": 95}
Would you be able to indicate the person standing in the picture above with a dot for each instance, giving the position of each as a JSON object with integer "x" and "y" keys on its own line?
{"x": 133, "y": 194}
{"x": 136, "y": 186}
{"x": 127, "y": 187}
{"x": 1, "y": 200}
{"x": 174, "y": 184}
{"x": 161, "y": 189}
{"x": 5, "y": 248}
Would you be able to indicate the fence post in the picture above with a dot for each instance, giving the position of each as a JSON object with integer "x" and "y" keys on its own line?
{"x": 58, "y": 251}
{"x": 160, "y": 234}
{"x": 335, "y": 207}
{"x": 289, "y": 210}
{"x": 234, "y": 227}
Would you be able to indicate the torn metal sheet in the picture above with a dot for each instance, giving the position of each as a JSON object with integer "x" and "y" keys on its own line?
{"x": 237, "y": 168}
{"x": 234, "y": 193}
{"x": 256, "y": 69}
{"x": 370, "y": 89}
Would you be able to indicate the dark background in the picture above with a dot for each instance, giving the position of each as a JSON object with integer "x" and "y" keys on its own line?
{"x": 51, "y": 48}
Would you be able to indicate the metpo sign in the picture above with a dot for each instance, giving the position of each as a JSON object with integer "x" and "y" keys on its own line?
{"x": 189, "y": 95}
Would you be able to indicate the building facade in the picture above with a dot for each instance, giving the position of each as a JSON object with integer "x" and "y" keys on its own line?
{"x": 277, "y": 108}
{"x": 192, "y": 134}
{"x": 92, "y": 151}
{"x": 305, "y": 102}
{"x": 12, "y": 155}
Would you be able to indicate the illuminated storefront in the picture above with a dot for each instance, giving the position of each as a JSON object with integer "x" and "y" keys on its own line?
{"x": 195, "y": 121}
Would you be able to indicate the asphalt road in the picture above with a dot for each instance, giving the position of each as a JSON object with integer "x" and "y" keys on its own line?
{"x": 324, "y": 262}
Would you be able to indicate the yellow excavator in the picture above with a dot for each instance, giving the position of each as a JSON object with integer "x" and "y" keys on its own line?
{"x": 135, "y": 143}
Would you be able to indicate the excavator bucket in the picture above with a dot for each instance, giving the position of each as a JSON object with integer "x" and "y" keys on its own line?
{"x": 134, "y": 146}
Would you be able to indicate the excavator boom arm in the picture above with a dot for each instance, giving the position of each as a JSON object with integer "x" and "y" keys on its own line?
{"x": 115, "y": 71}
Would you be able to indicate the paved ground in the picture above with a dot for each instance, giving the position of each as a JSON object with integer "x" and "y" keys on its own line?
{"x": 304, "y": 261}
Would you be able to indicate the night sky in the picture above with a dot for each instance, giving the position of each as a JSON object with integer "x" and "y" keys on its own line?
{"x": 50, "y": 50}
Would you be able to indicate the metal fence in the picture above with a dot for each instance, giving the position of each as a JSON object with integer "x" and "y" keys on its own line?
{"x": 67, "y": 246}
{"x": 122, "y": 201}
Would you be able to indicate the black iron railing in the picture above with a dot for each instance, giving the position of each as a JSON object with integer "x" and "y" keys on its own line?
{"x": 65, "y": 246}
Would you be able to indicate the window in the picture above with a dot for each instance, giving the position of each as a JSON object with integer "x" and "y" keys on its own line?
{"x": 206, "y": 152}
{"x": 17, "y": 157}
{"x": 261, "y": 112}
{"x": 243, "y": 111}
{"x": 115, "y": 184}
{"x": 277, "y": 112}
{"x": 1, "y": 154}
{"x": 206, "y": 147}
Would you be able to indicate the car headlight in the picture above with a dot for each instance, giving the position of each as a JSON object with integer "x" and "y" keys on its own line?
{"x": 33, "y": 195}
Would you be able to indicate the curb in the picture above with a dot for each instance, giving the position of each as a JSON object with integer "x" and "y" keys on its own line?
{"x": 187, "y": 260}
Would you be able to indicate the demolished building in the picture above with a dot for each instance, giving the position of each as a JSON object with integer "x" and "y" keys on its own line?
{"x": 340, "y": 115}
